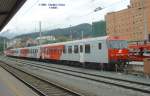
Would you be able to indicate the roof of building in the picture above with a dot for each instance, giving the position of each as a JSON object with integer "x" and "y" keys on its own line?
{"x": 8, "y": 8}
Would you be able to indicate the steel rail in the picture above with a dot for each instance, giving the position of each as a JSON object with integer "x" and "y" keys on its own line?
{"x": 107, "y": 77}
{"x": 41, "y": 79}
{"x": 100, "y": 81}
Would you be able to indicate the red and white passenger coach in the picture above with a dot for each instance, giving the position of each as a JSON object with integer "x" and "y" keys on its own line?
{"x": 100, "y": 50}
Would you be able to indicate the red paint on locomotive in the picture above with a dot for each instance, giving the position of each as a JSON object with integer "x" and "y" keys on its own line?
{"x": 116, "y": 55}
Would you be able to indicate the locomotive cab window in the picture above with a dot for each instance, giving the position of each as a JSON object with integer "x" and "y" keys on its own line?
{"x": 99, "y": 46}
{"x": 87, "y": 48}
{"x": 76, "y": 49}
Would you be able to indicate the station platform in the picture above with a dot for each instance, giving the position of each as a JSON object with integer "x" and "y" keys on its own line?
{"x": 136, "y": 63}
{"x": 10, "y": 86}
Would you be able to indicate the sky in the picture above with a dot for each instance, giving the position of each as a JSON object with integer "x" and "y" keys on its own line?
{"x": 66, "y": 13}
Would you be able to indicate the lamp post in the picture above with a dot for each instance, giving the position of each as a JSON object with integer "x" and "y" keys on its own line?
{"x": 71, "y": 33}
{"x": 82, "y": 34}
{"x": 96, "y": 10}
{"x": 4, "y": 45}
{"x": 40, "y": 34}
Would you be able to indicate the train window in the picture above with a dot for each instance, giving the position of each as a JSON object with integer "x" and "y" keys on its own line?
{"x": 52, "y": 49}
{"x": 69, "y": 49}
{"x": 87, "y": 48}
{"x": 60, "y": 51}
{"x": 64, "y": 49}
{"x": 81, "y": 48}
{"x": 99, "y": 45}
{"x": 76, "y": 49}
{"x": 47, "y": 51}
{"x": 43, "y": 50}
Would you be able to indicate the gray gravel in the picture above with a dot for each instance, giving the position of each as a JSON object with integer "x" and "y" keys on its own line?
{"x": 87, "y": 87}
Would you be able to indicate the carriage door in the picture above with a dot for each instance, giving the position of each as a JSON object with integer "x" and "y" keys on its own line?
{"x": 81, "y": 53}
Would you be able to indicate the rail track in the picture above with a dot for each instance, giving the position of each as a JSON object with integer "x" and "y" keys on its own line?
{"x": 40, "y": 86}
{"x": 127, "y": 84}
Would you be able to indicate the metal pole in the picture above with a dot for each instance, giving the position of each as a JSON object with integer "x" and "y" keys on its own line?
{"x": 40, "y": 32}
{"x": 4, "y": 45}
{"x": 82, "y": 34}
{"x": 92, "y": 28}
{"x": 70, "y": 33}
{"x": 145, "y": 20}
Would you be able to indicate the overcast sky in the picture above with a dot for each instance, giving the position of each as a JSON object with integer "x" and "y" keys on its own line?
{"x": 72, "y": 12}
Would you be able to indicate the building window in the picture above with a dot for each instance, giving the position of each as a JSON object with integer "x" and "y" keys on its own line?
{"x": 87, "y": 48}
{"x": 76, "y": 49}
{"x": 69, "y": 49}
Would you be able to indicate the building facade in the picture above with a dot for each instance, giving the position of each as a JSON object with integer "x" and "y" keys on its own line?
{"x": 132, "y": 23}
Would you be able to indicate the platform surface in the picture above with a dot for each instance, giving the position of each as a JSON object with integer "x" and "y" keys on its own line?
{"x": 10, "y": 86}
{"x": 136, "y": 63}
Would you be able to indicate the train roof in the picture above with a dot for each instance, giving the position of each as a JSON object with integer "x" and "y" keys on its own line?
{"x": 78, "y": 41}
{"x": 86, "y": 40}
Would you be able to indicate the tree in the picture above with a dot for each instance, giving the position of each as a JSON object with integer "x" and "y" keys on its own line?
{"x": 99, "y": 28}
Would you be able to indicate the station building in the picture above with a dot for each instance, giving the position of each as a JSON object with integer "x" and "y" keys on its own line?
{"x": 131, "y": 22}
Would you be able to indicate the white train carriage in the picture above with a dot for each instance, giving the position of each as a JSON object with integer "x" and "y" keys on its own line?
{"x": 101, "y": 50}
{"x": 87, "y": 50}
{"x": 93, "y": 50}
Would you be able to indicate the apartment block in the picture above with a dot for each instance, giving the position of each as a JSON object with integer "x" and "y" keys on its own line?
{"x": 132, "y": 23}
